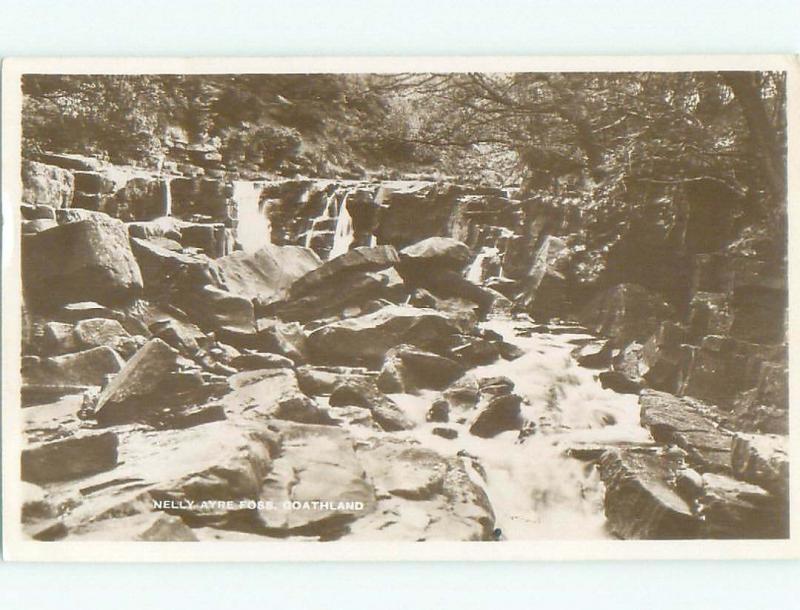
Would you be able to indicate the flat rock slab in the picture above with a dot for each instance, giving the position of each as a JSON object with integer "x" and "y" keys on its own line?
{"x": 206, "y": 475}
{"x": 70, "y": 458}
{"x": 688, "y": 423}
{"x": 421, "y": 496}
{"x": 316, "y": 486}
{"x": 271, "y": 393}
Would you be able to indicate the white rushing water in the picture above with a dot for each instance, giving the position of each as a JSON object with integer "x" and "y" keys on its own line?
{"x": 254, "y": 230}
{"x": 536, "y": 490}
{"x": 166, "y": 191}
{"x": 475, "y": 270}
{"x": 327, "y": 213}
{"x": 343, "y": 233}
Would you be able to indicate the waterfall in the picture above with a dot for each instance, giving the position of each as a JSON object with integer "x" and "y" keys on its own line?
{"x": 254, "y": 230}
{"x": 343, "y": 234}
{"x": 475, "y": 271}
{"x": 166, "y": 194}
{"x": 326, "y": 214}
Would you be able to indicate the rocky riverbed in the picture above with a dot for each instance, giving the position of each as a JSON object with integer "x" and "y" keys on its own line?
{"x": 206, "y": 358}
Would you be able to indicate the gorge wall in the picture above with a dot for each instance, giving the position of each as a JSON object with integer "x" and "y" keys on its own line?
{"x": 306, "y": 306}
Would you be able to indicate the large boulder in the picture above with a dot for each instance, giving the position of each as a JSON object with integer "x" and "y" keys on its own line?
{"x": 229, "y": 314}
{"x": 206, "y": 475}
{"x": 625, "y": 313}
{"x": 497, "y": 414}
{"x": 364, "y": 340}
{"x": 329, "y": 273}
{"x": 735, "y": 509}
{"x": 762, "y": 459}
{"x": 284, "y": 338}
{"x": 639, "y": 501}
{"x": 84, "y": 368}
{"x": 322, "y": 380}
{"x": 545, "y": 287}
{"x": 421, "y": 495}
{"x": 271, "y": 394}
{"x": 351, "y": 291}
{"x": 47, "y": 184}
{"x": 409, "y": 369}
{"x": 435, "y": 252}
{"x": 86, "y": 260}
{"x": 157, "y": 386}
{"x": 689, "y": 424}
{"x": 97, "y": 332}
{"x": 317, "y": 486}
{"x": 174, "y": 276}
{"x": 268, "y": 272}
{"x": 364, "y": 393}
{"x": 213, "y": 239}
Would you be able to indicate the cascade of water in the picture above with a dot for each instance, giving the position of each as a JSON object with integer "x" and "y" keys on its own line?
{"x": 343, "y": 234}
{"x": 536, "y": 490}
{"x": 166, "y": 194}
{"x": 475, "y": 270}
{"x": 254, "y": 228}
{"x": 326, "y": 215}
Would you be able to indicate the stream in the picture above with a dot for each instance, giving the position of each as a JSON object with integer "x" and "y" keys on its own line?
{"x": 536, "y": 491}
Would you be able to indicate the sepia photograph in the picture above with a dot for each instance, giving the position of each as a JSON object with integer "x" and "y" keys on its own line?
{"x": 254, "y": 307}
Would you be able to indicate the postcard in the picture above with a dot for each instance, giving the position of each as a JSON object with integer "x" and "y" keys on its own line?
{"x": 399, "y": 308}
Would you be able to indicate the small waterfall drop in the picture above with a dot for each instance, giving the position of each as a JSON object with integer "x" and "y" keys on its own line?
{"x": 330, "y": 204}
{"x": 254, "y": 228}
{"x": 475, "y": 270}
{"x": 343, "y": 233}
{"x": 166, "y": 193}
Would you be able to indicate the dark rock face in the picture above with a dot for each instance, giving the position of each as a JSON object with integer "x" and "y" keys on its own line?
{"x": 363, "y": 393}
{"x": 723, "y": 366}
{"x": 638, "y": 502}
{"x": 408, "y": 369}
{"x": 625, "y": 313}
{"x": 69, "y": 458}
{"x": 44, "y": 184}
{"x": 545, "y": 292}
{"x": 86, "y": 260}
{"x": 661, "y": 357}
